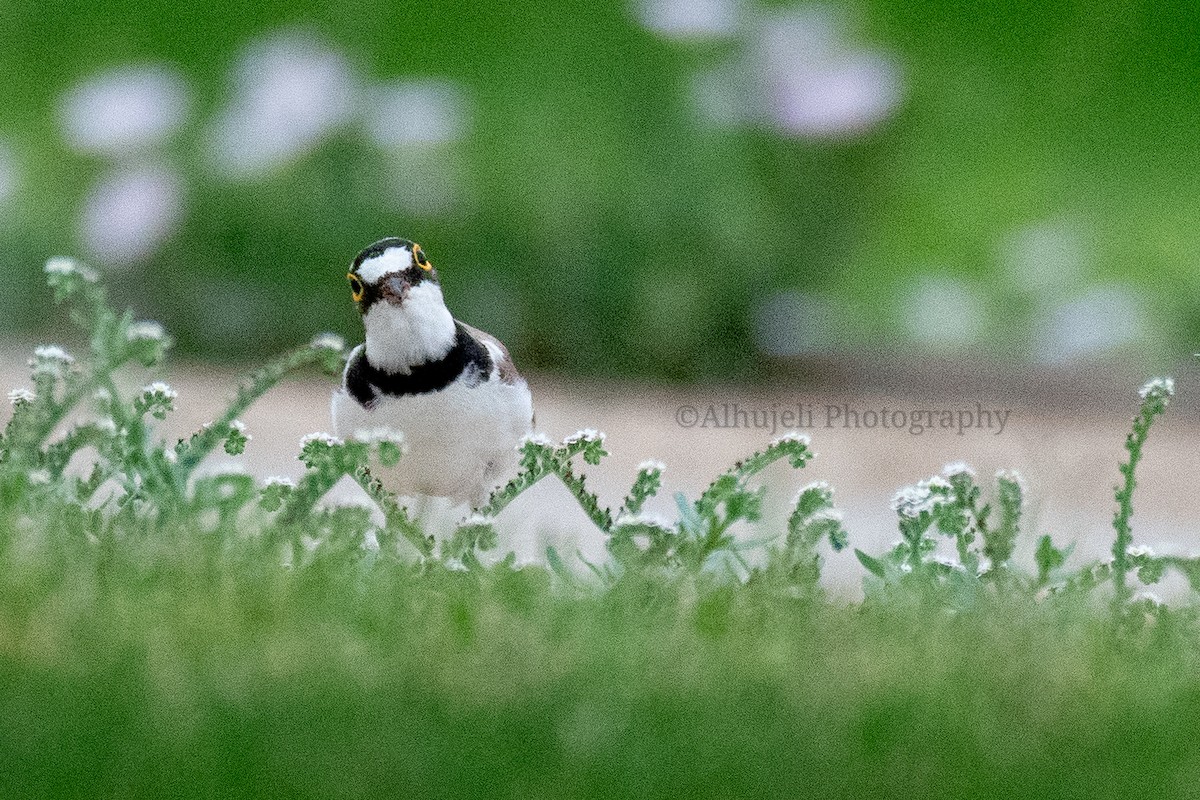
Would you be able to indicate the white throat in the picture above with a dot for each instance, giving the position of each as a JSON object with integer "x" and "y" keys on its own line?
{"x": 420, "y": 330}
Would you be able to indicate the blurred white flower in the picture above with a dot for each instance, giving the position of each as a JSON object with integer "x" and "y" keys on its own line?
{"x": 1149, "y": 598}
{"x": 51, "y": 352}
{"x": 1012, "y": 476}
{"x": 328, "y": 341}
{"x": 792, "y": 436}
{"x": 1044, "y": 256}
{"x": 817, "y": 84}
{"x": 290, "y": 92}
{"x": 941, "y": 311}
{"x": 957, "y": 468}
{"x": 585, "y": 435}
{"x": 538, "y": 439}
{"x": 9, "y": 174}
{"x": 689, "y": 19}
{"x": 320, "y": 437}
{"x": 378, "y": 436}
{"x": 124, "y": 110}
{"x": 1161, "y": 388}
{"x": 146, "y": 330}
{"x": 419, "y": 112}
{"x": 720, "y": 96}
{"x": 64, "y": 266}
{"x": 21, "y": 395}
{"x": 50, "y": 359}
{"x": 130, "y": 213}
{"x": 912, "y": 501}
{"x": 1097, "y": 321}
{"x": 160, "y": 389}
{"x": 835, "y": 514}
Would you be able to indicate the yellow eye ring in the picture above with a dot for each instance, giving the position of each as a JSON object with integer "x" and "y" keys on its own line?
{"x": 356, "y": 287}
{"x": 420, "y": 258}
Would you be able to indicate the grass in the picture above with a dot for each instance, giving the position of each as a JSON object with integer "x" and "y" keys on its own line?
{"x": 210, "y": 636}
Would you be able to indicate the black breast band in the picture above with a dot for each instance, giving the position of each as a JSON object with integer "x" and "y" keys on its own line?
{"x": 467, "y": 357}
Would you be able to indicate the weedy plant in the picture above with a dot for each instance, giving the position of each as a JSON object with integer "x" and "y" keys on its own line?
{"x": 151, "y": 483}
{"x": 167, "y": 631}
{"x": 138, "y": 482}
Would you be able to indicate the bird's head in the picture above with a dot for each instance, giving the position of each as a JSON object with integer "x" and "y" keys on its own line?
{"x": 392, "y": 271}
{"x": 397, "y": 291}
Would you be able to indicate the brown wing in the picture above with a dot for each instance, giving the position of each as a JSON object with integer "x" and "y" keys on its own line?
{"x": 506, "y": 369}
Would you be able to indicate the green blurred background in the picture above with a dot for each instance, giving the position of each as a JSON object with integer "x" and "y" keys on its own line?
{"x": 679, "y": 189}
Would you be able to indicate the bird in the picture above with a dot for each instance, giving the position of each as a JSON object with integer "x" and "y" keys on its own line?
{"x": 450, "y": 390}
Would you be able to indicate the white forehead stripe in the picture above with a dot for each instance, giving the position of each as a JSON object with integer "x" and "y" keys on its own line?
{"x": 394, "y": 259}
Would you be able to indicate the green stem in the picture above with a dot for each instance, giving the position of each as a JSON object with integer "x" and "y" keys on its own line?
{"x": 258, "y": 384}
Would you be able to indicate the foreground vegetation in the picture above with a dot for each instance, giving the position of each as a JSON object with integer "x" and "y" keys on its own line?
{"x": 166, "y": 632}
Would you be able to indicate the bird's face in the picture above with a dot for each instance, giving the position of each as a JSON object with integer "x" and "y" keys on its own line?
{"x": 404, "y": 314}
{"x": 394, "y": 272}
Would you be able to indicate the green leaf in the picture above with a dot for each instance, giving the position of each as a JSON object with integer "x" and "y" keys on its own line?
{"x": 1048, "y": 558}
{"x": 872, "y": 565}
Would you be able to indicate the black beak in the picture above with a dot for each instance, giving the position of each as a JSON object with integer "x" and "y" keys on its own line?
{"x": 394, "y": 288}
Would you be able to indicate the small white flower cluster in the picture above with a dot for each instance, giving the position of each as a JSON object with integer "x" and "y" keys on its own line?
{"x": 328, "y": 341}
{"x": 19, "y": 396}
{"x": 819, "y": 486}
{"x": 539, "y": 439}
{"x": 61, "y": 265}
{"x": 146, "y": 331}
{"x": 170, "y": 455}
{"x": 39, "y": 477}
{"x": 834, "y": 514}
{"x": 1149, "y": 597}
{"x": 585, "y": 435}
{"x": 379, "y": 436}
{"x": 1140, "y": 551}
{"x": 952, "y": 563}
{"x": 1158, "y": 388}
{"x": 50, "y": 353}
{"x": 237, "y": 426}
{"x": 911, "y": 501}
{"x": 956, "y": 468}
{"x": 1012, "y": 476}
{"x": 792, "y": 436}
{"x": 652, "y": 465}
{"x": 644, "y": 519}
{"x": 158, "y": 389}
{"x": 476, "y": 519}
{"x": 279, "y": 480}
{"x": 319, "y": 437}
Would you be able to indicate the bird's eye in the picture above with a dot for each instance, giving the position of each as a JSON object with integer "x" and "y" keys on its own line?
{"x": 356, "y": 287}
{"x": 419, "y": 257}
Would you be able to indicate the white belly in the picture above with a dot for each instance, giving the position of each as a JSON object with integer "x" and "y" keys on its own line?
{"x": 460, "y": 442}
